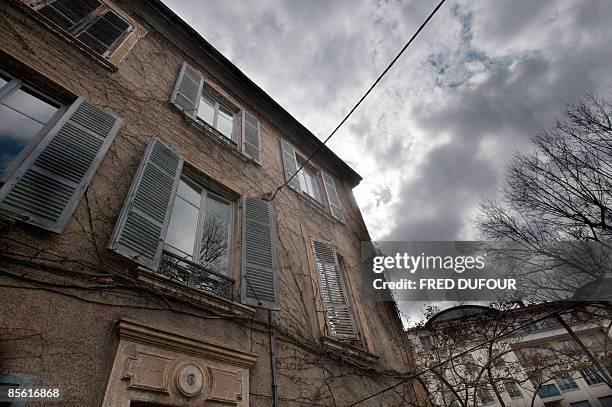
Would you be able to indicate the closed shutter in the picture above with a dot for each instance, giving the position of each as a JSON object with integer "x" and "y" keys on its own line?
{"x": 290, "y": 165}
{"x": 188, "y": 90}
{"x": 332, "y": 197}
{"x": 251, "y": 137}
{"x": 67, "y": 13}
{"x": 259, "y": 286}
{"x": 21, "y": 382}
{"x": 102, "y": 35}
{"x": 46, "y": 188}
{"x": 142, "y": 225}
{"x": 338, "y": 312}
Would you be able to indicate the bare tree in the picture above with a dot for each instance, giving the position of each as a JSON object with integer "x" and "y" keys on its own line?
{"x": 554, "y": 215}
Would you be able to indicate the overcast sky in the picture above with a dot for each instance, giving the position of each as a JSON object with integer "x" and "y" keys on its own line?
{"x": 433, "y": 138}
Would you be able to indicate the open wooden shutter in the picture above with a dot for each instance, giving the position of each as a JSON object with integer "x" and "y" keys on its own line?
{"x": 259, "y": 287}
{"x": 67, "y": 14}
{"x": 338, "y": 312}
{"x": 332, "y": 197}
{"x": 251, "y": 137}
{"x": 289, "y": 163}
{"x": 102, "y": 35}
{"x": 46, "y": 188}
{"x": 188, "y": 90}
{"x": 142, "y": 225}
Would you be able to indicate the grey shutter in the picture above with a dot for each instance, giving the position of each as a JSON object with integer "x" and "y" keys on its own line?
{"x": 21, "y": 382}
{"x": 251, "y": 136}
{"x": 67, "y": 13}
{"x": 46, "y": 188}
{"x": 333, "y": 292}
{"x": 142, "y": 225}
{"x": 258, "y": 254}
{"x": 290, "y": 165}
{"x": 104, "y": 33}
{"x": 332, "y": 197}
{"x": 188, "y": 90}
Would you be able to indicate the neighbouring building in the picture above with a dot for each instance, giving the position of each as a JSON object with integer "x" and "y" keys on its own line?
{"x": 142, "y": 260}
{"x": 516, "y": 357}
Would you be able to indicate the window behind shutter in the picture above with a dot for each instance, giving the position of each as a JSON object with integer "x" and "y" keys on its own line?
{"x": 104, "y": 32}
{"x": 259, "y": 287}
{"x": 68, "y": 13}
{"x": 188, "y": 90}
{"x": 46, "y": 188}
{"x": 332, "y": 197}
{"x": 289, "y": 163}
{"x": 142, "y": 225}
{"x": 333, "y": 292}
{"x": 251, "y": 137}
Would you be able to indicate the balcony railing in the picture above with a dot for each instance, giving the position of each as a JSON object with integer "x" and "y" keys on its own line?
{"x": 196, "y": 275}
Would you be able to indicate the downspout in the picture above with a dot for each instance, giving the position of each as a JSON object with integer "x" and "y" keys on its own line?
{"x": 273, "y": 360}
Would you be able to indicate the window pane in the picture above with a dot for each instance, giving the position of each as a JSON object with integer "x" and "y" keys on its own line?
{"x": 183, "y": 226}
{"x": 30, "y": 105}
{"x": 16, "y": 131}
{"x": 215, "y": 234}
{"x": 190, "y": 192}
{"x": 225, "y": 122}
{"x": 206, "y": 110}
{"x": 2, "y": 82}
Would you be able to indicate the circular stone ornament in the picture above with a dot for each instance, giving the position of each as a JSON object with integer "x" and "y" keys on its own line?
{"x": 190, "y": 380}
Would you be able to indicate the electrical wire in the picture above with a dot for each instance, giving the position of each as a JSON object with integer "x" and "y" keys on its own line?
{"x": 360, "y": 100}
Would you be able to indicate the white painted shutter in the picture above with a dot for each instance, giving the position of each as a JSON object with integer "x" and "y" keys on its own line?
{"x": 259, "y": 287}
{"x": 290, "y": 165}
{"x": 251, "y": 136}
{"x": 338, "y": 312}
{"x": 188, "y": 90}
{"x": 332, "y": 197}
{"x": 142, "y": 225}
{"x": 46, "y": 188}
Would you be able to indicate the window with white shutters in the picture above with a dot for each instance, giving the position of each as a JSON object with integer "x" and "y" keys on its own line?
{"x": 46, "y": 187}
{"x": 338, "y": 312}
{"x": 332, "y": 197}
{"x": 290, "y": 164}
{"x": 92, "y": 22}
{"x": 259, "y": 277}
{"x": 251, "y": 136}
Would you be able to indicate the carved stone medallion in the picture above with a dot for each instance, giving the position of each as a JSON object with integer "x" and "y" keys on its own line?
{"x": 190, "y": 380}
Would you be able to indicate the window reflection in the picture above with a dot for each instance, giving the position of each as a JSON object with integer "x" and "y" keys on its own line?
{"x": 216, "y": 115}
{"x": 199, "y": 228}
{"x": 22, "y": 115}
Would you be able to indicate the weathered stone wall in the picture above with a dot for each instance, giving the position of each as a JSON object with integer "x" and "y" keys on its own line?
{"x": 60, "y": 294}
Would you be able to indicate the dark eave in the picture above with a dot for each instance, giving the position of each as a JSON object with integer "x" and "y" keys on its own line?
{"x": 160, "y": 16}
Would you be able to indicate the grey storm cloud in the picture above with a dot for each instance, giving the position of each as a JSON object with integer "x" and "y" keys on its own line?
{"x": 482, "y": 79}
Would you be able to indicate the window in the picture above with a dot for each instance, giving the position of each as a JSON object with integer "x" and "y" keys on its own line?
{"x": 426, "y": 343}
{"x": 606, "y": 401}
{"x": 547, "y": 391}
{"x": 449, "y": 398}
{"x": 569, "y": 347}
{"x": 308, "y": 182}
{"x": 566, "y": 383}
{"x": 216, "y": 115}
{"x": 484, "y": 395}
{"x": 591, "y": 376}
{"x": 200, "y": 226}
{"x": 470, "y": 364}
{"x": 513, "y": 389}
{"x": 23, "y": 113}
{"x": 583, "y": 403}
{"x": 92, "y": 22}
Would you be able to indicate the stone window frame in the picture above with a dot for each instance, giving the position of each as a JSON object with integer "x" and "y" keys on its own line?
{"x": 113, "y": 57}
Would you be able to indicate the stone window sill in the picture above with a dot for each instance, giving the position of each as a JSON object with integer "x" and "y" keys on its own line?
{"x": 352, "y": 352}
{"x": 316, "y": 205}
{"x": 193, "y": 295}
{"x": 216, "y": 136}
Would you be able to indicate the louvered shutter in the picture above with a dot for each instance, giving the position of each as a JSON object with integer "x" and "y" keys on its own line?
{"x": 251, "y": 137}
{"x": 333, "y": 292}
{"x": 332, "y": 197}
{"x": 258, "y": 254}
{"x": 142, "y": 225}
{"x": 289, "y": 163}
{"x": 102, "y": 35}
{"x": 188, "y": 90}
{"x": 46, "y": 188}
{"x": 67, "y": 13}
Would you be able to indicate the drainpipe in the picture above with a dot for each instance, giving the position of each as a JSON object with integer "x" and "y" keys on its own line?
{"x": 273, "y": 360}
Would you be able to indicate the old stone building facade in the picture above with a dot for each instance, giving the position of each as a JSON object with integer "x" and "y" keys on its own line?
{"x": 142, "y": 261}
